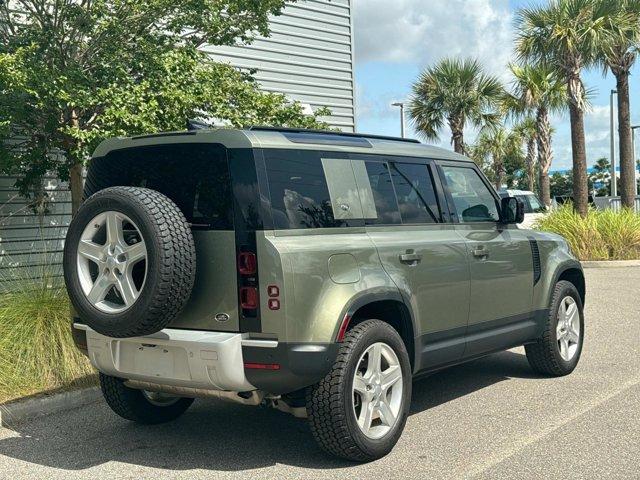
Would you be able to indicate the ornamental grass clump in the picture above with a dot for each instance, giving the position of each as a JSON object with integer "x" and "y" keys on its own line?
{"x": 601, "y": 235}
{"x": 37, "y": 352}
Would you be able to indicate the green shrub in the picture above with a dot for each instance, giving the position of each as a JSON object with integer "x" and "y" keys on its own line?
{"x": 601, "y": 235}
{"x": 37, "y": 352}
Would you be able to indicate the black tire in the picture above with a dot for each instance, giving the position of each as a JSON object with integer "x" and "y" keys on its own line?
{"x": 133, "y": 405}
{"x": 544, "y": 355}
{"x": 170, "y": 269}
{"x": 330, "y": 402}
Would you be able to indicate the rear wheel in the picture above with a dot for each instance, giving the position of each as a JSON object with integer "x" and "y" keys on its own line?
{"x": 358, "y": 411}
{"x": 557, "y": 352}
{"x": 141, "y": 406}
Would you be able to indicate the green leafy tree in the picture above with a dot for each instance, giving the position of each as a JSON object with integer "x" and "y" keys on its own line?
{"x": 75, "y": 73}
{"x": 527, "y": 130}
{"x": 618, "y": 53}
{"x": 562, "y": 184}
{"x": 601, "y": 176}
{"x": 567, "y": 34}
{"x": 538, "y": 90}
{"x": 458, "y": 92}
{"x": 499, "y": 152}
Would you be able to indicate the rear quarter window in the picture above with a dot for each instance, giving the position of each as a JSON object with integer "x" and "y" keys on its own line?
{"x": 298, "y": 189}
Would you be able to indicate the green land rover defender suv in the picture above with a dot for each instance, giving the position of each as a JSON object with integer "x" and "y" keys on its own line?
{"x": 315, "y": 272}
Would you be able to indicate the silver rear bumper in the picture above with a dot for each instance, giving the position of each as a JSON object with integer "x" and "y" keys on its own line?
{"x": 182, "y": 358}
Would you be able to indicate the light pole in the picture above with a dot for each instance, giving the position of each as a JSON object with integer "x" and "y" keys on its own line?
{"x": 635, "y": 165}
{"x": 401, "y": 105}
{"x": 614, "y": 179}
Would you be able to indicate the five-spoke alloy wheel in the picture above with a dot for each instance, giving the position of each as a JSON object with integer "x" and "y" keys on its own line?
{"x": 110, "y": 247}
{"x": 568, "y": 328}
{"x": 377, "y": 390}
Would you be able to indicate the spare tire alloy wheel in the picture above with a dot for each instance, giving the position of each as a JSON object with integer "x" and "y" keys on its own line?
{"x": 129, "y": 262}
{"x": 106, "y": 270}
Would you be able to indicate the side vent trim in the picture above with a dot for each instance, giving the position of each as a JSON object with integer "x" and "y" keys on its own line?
{"x": 535, "y": 254}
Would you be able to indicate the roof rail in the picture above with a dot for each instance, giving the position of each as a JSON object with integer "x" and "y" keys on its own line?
{"x": 330, "y": 132}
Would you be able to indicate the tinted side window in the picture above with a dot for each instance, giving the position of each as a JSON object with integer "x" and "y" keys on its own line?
{"x": 473, "y": 200}
{"x": 383, "y": 194}
{"x": 415, "y": 193}
{"x": 194, "y": 176}
{"x": 299, "y": 193}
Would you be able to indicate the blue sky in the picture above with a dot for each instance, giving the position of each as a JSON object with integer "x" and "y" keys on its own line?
{"x": 395, "y": 40}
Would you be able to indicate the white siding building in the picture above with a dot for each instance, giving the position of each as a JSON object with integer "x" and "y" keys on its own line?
{"x": 308, "y": 57}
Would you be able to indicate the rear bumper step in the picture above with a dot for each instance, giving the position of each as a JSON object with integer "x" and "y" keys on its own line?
{"x": 180, "y": 358}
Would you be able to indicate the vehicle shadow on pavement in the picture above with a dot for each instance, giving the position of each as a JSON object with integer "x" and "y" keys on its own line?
{"x": 219, "y": 436}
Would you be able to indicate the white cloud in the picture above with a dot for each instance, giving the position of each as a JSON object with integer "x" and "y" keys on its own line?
{"x": 423, "y": 31}
{"x": 417, "y": 33}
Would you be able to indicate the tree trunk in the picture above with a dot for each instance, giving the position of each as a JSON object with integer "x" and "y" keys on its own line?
{"x": 545, "y": 154}
{"x": 457, "y": 134}
{"x": 627, "y": 162}
{"x": 531, "y": 163}
{"x": 76, "y": 182}
{"x": 545, "y": 188}
{"x": 498, "y": 169}
{"x": 580, "y": 184}
{"x": 76, "y": 186}
{"x": 458, "y": 142}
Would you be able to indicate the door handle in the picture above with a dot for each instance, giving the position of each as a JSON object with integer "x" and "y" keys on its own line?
{"x": 480, "y": 252}
{"x": 410, "y": 257}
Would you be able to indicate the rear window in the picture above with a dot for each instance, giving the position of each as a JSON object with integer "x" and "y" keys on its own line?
{"x": 195, "y": 176}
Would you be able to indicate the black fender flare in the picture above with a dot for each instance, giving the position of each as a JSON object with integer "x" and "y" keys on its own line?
{"x": 367, "y": 297}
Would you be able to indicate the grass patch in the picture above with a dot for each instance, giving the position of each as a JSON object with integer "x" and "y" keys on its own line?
{"x": 601, "y": 235}
{"x": 37, "y": 352}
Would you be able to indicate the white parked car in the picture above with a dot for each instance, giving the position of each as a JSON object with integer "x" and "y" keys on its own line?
{"x": 533, "y": 207}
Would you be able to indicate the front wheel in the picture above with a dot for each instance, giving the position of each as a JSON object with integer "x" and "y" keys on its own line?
{"x": 141, "y": 406}
{"x": 558, "y": 350}
{"x": 358, "y": 411}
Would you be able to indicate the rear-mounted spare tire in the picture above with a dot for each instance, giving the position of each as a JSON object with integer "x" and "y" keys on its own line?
{"x": 129, "y": 261}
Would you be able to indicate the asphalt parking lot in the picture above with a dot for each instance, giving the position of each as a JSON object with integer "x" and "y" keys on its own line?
{"x": 492, "y": 418}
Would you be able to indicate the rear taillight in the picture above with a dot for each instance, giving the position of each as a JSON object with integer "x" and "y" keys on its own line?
{"x": 247, "y": 263}
{"x": 249, "y": 298}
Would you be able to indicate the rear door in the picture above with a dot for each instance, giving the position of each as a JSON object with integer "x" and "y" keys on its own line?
{"x": 197, "y": 177}
{"x": 500, "y": 262}
{"x": 421, "y": 252}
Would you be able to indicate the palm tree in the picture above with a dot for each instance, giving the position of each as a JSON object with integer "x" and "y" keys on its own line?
{"x": 527, "y": 130}
{"x": 497, "y": 145}
{"x": 566, "y": 34}
{"x": 538, "y": 90}
{"x": 456, "y": 91}
{"x": 619, "y": 54}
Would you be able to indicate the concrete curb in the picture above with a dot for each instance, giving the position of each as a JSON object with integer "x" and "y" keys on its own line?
{"x": 22, "y": 410}
{"x": 611, "y": 264}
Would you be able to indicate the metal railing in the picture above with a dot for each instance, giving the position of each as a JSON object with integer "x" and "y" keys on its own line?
{"x": 614, "y": 203}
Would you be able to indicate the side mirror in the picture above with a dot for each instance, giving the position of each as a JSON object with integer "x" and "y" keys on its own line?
{"x": 512, "y": 210}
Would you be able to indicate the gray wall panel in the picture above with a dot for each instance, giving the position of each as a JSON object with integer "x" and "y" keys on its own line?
{"x": 308, "y": 57}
